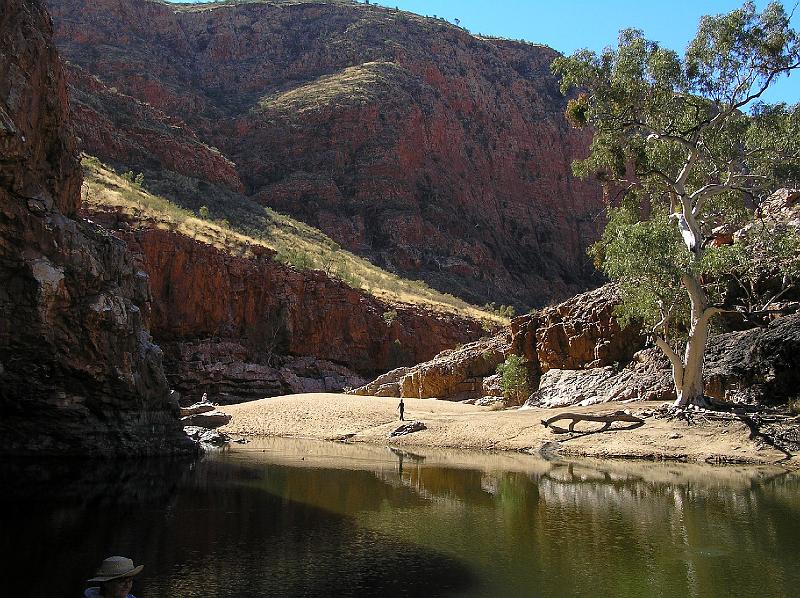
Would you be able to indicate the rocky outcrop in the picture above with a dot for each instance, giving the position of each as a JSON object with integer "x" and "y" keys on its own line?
{"x": 579, "y": 333}
{"x": 454, "y": 374}
{"x": 578, "y": 354}
{"x": 647, "y": 378}
{"x": 435, "y": 153}
{"x": 230, "y": 372}
{"x": 78, "y": 370}
{"x": 760, "y": 365}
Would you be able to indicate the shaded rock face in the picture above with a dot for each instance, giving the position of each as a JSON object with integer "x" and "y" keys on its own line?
{"x": 434, "y": 153}
{"x": 78, "y": 371}
{"x": 232, "y": 373}
{"x": 237, "y": 326}
{"x": 129, "y": 132}
{"x": 761, "y": 365}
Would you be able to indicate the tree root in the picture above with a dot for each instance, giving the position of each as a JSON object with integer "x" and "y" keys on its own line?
{"x": 777, "y": 430}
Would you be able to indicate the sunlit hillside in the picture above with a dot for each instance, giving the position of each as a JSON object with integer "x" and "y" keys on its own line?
{"x": 295, "y": 243}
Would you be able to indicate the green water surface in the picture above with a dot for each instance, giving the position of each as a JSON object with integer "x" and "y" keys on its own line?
{"x": 302, "y": 518}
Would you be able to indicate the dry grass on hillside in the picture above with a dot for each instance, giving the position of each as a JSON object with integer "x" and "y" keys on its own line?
{"x": 359, "y": 84}
{"x": 294, "y": 242}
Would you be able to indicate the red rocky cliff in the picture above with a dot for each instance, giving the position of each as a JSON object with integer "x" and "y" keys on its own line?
{"x": 435, "y": 153}
{"x": 78, "y": 372}
{"x": 219, "y": 316}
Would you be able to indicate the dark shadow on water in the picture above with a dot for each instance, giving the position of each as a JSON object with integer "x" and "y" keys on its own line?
{"x": 205, "y": 528}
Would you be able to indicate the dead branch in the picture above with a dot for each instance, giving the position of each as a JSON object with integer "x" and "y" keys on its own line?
{"x": 605, "y": 419}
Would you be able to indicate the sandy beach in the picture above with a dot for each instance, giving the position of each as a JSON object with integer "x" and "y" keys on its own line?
{"x": 341, "y": 417}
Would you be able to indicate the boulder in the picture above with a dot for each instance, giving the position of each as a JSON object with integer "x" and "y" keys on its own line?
{"x": 206, "y": 435}
{"x": 207, "y": 419}
{"x": 581, "y": 332}
{"x": 761, "y": 365}
{"x": 196, "y": 408}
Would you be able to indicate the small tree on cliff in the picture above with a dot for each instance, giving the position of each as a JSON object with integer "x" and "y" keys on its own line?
{"x": 514, "y": 380}
{"x": 680, "y": 159}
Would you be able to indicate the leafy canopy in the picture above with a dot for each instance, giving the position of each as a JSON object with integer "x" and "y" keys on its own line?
{"x": 680, "y": 158}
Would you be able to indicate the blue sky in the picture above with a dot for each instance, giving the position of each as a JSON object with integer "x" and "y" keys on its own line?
{"x": 568, "y": 26}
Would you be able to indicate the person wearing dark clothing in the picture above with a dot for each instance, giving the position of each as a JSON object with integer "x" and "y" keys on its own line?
{"x": 401, "y": 408}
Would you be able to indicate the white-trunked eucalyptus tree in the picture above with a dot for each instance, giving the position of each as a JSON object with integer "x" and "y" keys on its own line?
{"x": 686, "y": 149}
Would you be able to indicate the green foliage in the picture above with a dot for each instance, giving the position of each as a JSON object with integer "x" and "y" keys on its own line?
{"x": 679, "y": 155}
{"x": 292, "y": 257}
{"x": 504, "y": 311}
{"x": 204, "y": 213}
{"x": 389, "y": 316}
{"x": 137, "y": 180}
{"x": 514, "y": 380}
{"x": 577, "y": 111}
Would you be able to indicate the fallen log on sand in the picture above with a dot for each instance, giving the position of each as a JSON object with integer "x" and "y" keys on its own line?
{"x": 605, "y": 419}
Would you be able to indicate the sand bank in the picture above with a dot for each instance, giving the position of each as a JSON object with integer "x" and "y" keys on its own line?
{"x": 326, "y": 416}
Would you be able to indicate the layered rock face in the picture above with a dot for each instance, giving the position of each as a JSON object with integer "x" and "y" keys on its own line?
{"x": 435, "y": 153}
{"x": 246, "y": 327}
{"x": 579, "y": 333}
{"x": 78, "y": 371}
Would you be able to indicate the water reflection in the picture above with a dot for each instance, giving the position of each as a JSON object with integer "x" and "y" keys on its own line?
{"x": 304, "y": 518}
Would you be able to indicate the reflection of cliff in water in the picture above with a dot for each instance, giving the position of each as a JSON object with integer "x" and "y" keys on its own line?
{"x": 568, "y": 527}
{"x": 205, "y": 528}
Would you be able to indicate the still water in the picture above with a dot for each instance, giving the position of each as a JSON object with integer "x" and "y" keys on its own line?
{"x": 302, "y": 518}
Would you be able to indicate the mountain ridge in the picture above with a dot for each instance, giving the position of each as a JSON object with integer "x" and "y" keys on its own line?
{"x": 441, "y": 155}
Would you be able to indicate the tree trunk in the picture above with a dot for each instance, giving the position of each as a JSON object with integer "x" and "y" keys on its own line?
{"x": 690, "y": 392}
{"x": 690, "y": 388}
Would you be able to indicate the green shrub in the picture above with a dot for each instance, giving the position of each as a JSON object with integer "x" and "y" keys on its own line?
{"x": 390, "y": 316}
{"x": 514, "y": 380}
{"x": 204, "y": 213}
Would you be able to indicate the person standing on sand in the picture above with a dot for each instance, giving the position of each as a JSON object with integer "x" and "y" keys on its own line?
{"x": 401, "y": 408}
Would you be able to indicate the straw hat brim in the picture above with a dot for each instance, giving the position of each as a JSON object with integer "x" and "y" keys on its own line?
{"x": 131, "y": 573}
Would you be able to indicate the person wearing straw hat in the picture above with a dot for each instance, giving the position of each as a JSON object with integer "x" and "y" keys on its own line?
{"x": 116, "y": 578}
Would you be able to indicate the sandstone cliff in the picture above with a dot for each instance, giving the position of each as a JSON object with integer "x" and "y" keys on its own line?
{"x": 238, "y": 324}
{"x": 78, "y": 371}
{"x": 435, "y": 153}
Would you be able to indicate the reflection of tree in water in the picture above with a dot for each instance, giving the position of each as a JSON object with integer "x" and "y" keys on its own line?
{"x": 672, "y": 529}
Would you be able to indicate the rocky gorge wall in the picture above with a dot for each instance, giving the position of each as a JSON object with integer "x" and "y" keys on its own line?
{"x": 433, "y": 152}
{"x": 78, "y": 370}
{"x": 245, "y": 326}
